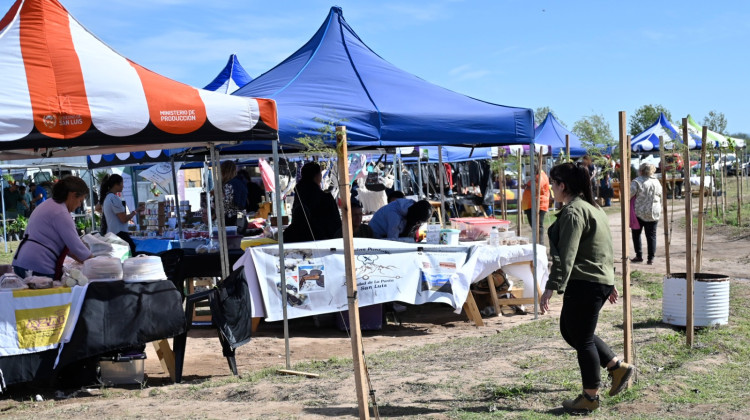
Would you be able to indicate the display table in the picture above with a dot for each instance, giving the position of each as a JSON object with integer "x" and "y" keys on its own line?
{"x": 386, "y": 271}
{"x": 154, "y": 245}
{"x": 113, "y": 316}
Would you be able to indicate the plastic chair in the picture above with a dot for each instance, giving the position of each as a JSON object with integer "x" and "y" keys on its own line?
{"x": 231, "y": 315}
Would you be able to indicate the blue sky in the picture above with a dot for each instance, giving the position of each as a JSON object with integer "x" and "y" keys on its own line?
{"x": 577, "y": 57}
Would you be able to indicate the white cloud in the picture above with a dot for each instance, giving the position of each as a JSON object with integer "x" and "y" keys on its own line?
{"x": 467, "y": 72}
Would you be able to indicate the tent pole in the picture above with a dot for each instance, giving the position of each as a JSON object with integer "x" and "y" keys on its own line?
{"x": 360, "y": 370}
{"x": 5, "y": 221}
{"x": 206, "y": 178}
{"x": 280, "y": 227}
{"x": 442, "y": 186}
{"x": 419, "y": 168}
{"x": 91, "y": 195}
{"x": 178, "y": 214}
{"x": 503, "y": 199}
{"x": 219, "y": 206}
{"x": 534, "y": 224}
{"x": 400, "y": 172}
{"x": 625, "y": 219}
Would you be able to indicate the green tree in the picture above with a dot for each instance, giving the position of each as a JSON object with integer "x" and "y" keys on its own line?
{"x": 743, "y": 136}
{"x": 715, "y": 121}
{"x": 646, "y": 115}
{"x": 541, "y": 113}
{"x": 596, "y": 137}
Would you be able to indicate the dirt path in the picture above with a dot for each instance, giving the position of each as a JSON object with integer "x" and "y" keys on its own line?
{"x": 209, "y": 390}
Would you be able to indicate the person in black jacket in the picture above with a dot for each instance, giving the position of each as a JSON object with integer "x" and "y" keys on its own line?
{"x": 315, "y": 215}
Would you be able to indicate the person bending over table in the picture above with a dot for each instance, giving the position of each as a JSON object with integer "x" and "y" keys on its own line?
{"x": 400, "y": 218}
{"x": 115, "y": 219}
{"x": 583, "y": 268}
{"x": 51, "y": 233}
{"x": 315, "y": 215}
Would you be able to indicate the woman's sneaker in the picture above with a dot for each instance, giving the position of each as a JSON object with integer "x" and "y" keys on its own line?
{"x": 620, "y": 375}
{"x": 581, "y": 404}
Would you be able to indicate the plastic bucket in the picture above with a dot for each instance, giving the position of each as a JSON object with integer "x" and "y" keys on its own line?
{"x": 710, "y": 299}
{"x": 449, "y": 236}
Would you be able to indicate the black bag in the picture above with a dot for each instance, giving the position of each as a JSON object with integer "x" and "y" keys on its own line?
{"x": 375, "y": 181}
{"x": 231, "y": 309}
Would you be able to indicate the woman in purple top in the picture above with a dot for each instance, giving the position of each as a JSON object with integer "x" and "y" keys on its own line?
{"x": 51, "y": 233}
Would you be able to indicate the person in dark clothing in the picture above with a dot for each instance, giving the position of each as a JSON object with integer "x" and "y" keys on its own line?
{"x": 315, "y": 215}
{"x": 255, "y": 193}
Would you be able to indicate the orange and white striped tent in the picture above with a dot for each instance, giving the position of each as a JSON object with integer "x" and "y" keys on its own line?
{"x": 67, "y": 93}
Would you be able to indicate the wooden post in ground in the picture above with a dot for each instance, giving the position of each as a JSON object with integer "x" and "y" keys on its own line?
{"x": 518, "y": 196}
{"x": 360, "y": 372}
{"x": 567, "y": 148}
{"x": 688, "y": 239}
{"x": 739, "y": 194}
{"x": 627, "y": 314}
{"x": 663, "y": 165}
{"x": 714, "y": 199}
{"x": 701, "y": 190}
{"x": 538, "y": 197}
{"x": 723, "y": 181}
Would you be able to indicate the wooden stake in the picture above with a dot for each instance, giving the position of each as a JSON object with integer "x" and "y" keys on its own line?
{"x": 360, "y": 373}
{"x": 297, "y": 373}
{"x": 723, "y": 181}
{"x": 627, "y": 313}
{"x": 688, "y": 238}
{"x": 663, "y": 165}
{"x": 739, "y": 194}
{"x": 518, "y": 197}
{"x": 567, "y": 147}
{"x": 538, "y": 197}
{"x": 701, "y": 190}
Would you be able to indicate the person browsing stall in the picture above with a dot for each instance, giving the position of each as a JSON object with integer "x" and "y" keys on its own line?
{"x": 315, "y": 215}
{"x": 541, "y": 177}
{"x": 115, "y": 217}
{"x": 648, "y": 195}
{"x": 51, "y": 233}
{"x": 583, "y": 269}
{"x": 399, "y": 218}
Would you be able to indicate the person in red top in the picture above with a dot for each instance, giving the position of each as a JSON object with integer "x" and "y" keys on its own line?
{"x": 543, "y": 201}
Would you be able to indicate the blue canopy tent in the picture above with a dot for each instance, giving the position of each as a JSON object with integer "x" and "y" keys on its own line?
{"x": 335, "y": 77}
{"x": 648, "y": 140}
{"x": 232, "y": 77}
{"x": 551, "y": 133}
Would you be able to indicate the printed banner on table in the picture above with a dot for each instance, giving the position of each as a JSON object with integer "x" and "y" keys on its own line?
{"x": 386, "y": 271}
{"x": 37, "y": 320}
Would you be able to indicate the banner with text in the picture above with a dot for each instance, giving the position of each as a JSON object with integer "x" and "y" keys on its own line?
{"x": 386, "y": 271}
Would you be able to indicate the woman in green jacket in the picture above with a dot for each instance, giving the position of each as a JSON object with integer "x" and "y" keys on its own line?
{"x": 583, "y": 269}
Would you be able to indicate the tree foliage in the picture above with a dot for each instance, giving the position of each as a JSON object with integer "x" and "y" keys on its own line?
{"x": 715, "y": 121}
{"x": 319, "y": 144}
{"x": 646, "y": 115}
{"x": 596, "y": 137}
{"x": 541, "y": 113}
{"x": 743, "y": 136}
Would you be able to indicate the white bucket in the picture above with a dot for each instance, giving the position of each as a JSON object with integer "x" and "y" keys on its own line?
{"x": 710, "y": 299}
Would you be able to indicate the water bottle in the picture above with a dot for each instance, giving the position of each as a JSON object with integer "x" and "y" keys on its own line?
{"x": 494, "y": 236}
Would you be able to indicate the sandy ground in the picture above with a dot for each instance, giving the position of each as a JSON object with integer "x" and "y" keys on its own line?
{"x": 336, "y": 398}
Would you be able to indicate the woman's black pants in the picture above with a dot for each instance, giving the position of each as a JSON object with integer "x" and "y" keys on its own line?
{"x": 650, "y": 228}
{"x": 580, "y": 312}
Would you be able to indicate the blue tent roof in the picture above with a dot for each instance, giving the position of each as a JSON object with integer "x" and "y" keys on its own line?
{"x": 232, "y": 77}
{"x": 552, "y": 133}
{"x": 336, "y": 77}
{"x": 648, "y": 140}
